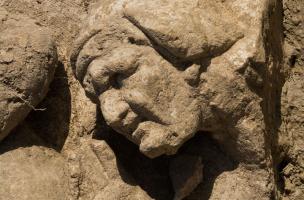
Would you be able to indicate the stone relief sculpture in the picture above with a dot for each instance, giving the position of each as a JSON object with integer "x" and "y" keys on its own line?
{"x": 162, "y": 71}
{"x": 161, "y": 74}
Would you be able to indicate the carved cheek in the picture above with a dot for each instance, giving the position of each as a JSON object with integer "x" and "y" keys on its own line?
{"x": 148, "y": 79}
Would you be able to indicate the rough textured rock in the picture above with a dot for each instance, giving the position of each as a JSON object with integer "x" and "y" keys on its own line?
{"x": 162, "y": 101}
{"x": 291, "y": 138}
{"x": 100, "y": 176}
{"x": 242, "y": 184}
{"x": 28, "y": 59}
{"x": 158, "y": 78}
{"x": 66, "y": 117}
{"x": 33, "y": 173}
{"x": 192, "y": 173}
{"x": 158, "y": 87}
{"x": 217, "y": 80}
{"x": 176, "y": 25}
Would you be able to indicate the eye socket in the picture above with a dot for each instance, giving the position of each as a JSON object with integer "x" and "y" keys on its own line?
{"x": 116, "y": 80}
{"x": 131, "y": 40}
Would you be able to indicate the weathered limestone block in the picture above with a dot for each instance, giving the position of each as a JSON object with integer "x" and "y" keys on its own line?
{"x": 27, "y": 63}
{"x": 160, "y": 73}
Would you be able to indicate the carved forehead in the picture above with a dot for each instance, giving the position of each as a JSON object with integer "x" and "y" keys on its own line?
{"x": 189, "y": 29}
{"x": 186, "y": 29}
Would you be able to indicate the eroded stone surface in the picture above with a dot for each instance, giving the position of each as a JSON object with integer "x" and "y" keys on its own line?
{"x": 27, "y": 63}
{"x": 176, "y": 25}
{"x": 100, "y": 176}
{"x": 33, "y": 173}
{"x": 159, "y": 81}
{"x": 140, "y": 68}
{"x": 242, "y": 184}
{"x": 160, "y": 71}
{"x": 186, "y": 172}
{"x": 291, "y": 140}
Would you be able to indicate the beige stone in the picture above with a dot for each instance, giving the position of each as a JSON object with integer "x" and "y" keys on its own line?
{"x": 140, "y": 68}
{"x": 186, "y": 172}
{"x": 216, "y": 80}
{"x": 100, "y": 176}
{"x": 33, "y": 173}
{"x": 165, "y": 70}
{"x": 28, "y": 58}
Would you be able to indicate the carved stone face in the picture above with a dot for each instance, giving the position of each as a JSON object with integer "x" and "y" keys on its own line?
{"x": 145, "y": 98}
{"x": 141, "y": 61}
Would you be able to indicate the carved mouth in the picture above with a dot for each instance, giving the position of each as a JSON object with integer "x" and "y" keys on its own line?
{"x": 123, "y": 115}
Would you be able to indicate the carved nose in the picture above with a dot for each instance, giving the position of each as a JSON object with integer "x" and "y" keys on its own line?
{"x": 117, "y": 113}
{"x": 113, "y": 107}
